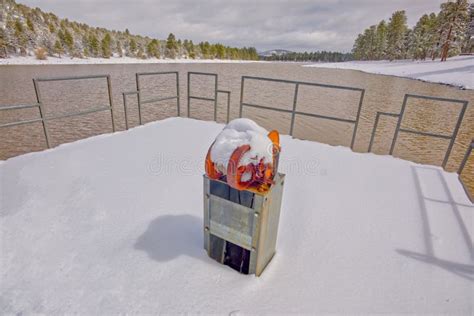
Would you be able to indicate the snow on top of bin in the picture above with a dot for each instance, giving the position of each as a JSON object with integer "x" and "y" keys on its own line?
{"x": 240, "y": 132}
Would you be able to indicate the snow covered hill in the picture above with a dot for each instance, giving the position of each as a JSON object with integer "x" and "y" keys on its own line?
{"x": 457, "y": 71}
{"x": 113, "y": 224}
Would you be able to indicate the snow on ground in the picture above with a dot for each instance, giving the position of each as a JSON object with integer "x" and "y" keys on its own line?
{"x": 457, "y": 71}
{"x": 113, "y": 224}
{"x": 31, "y": 60}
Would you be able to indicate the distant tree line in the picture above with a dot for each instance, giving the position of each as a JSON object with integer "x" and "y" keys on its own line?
{"x": 318, "y": 56}
{"x": 441, "y": 35}
{"x": 24, "y": 30}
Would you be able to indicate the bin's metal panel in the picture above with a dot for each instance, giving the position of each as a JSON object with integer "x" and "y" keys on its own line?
{"x": 206, "y": 215}
{"x": 253, "y": 228}
{"x": 269, "y": 224}
{"x": 231, "y": 221}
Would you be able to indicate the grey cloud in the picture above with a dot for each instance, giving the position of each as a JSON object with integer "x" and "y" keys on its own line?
{"x": 295, "y": 25}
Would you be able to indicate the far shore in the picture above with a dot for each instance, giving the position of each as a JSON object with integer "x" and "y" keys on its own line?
{"x": 457, "y": 71}
{"x": 66, "y": 60}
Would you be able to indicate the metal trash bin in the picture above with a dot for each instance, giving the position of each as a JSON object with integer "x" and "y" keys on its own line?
{"x": 240, "y": 227}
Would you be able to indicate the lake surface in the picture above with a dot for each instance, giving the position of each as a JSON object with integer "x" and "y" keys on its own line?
{"x": 383, "y": 93}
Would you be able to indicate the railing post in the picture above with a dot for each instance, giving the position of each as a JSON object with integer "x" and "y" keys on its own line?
{"x": 295, "y": 101}
{"x": 189, "y": 94}
{"x": 373, "y": 131}
{"x": 455, "y": 133}
{"x": 242, "y": 80}
{"x": 177, "y": 94}
{"x": 215, "y": 98}
{"x": 466, "y": 157}
{"x": 41, "y": 111}
{"x": 228, "y": 107}
{"x": 392, "y": 147}
{"x": 109, "y": 89}
{"x": 125, "y": 110}
{"x": 137, "y": 76}
{"x": 357, "y": 119}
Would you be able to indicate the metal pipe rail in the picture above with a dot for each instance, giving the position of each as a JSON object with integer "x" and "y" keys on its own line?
{"x": 461, "y": 168}
{"x": 19, "y": 107}
{"x": 466, "y": 157}
{"x": 228, "y": 102}
{"x": 216, "y": 92}
{"x": 377, "y": 117}
{"x": 293, "y": 111}
{"x": 190, "y": 96}
{"x": 451, "y": 137}
{"x": 139, "y": 99}
{"x": 40, "y": 104}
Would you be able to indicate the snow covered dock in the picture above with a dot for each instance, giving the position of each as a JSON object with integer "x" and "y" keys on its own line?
{"x": 113, "y": 224}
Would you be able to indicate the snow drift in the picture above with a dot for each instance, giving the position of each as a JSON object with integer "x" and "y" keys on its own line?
{"x": 456, "y": 71}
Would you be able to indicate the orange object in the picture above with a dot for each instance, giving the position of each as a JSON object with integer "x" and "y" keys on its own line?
{"x": 261, "y": 175}
{"x": 210, "y": 167}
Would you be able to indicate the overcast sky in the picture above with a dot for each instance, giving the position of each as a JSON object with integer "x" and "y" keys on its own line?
{"x": 294, "y": 25}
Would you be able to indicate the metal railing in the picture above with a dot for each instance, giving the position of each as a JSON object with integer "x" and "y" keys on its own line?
{"x": 400, "y": 117}
{"x": 44, "y": 119}
{"x": 461, "y": 168}
{"x": 216, "y": 92}
{"x": 158, "y": 99}
{"x": 294, "y": 110}
{"x": 40, "y": 105}
{"x": 466, "y": 157}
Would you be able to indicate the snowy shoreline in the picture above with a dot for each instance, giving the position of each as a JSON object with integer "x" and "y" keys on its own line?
{"x": 66, "y": 60}
{"x": 456, "y": 71}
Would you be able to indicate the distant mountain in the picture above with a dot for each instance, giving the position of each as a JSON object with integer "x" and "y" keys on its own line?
{"x": 277, "y": 52}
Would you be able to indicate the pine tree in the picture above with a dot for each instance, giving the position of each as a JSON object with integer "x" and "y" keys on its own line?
{"x": 58, "y": 48}
{"x": 93, "y": 44}
{"x": 423, "y": 36}
{"x": 140, "y": 53}
{"x": 370, "y": 42}
{"x": 18, "y": 28}
{"x": 68, "y": 40}
{"x": 21, "y": 37}
{"x": 396, "y": 30}
{"x": 381, "y": 40}
{"x": 119, "y": 49}
{"x": 3, "y": 44}
{"x": 105, "y": 46}
{"x": 220, "y": 51}
{"x": 30, "y": 24}
{"x": 358, "y": 48}
{"x": 453, "y": 23}
{"x": 468, "y": 43}
{"x": 171, "y": 46}
{"x": 51, "y": 28}
{"x": 205, "y": 49}
{"x": 152, "y": 49}
{"x": 132, "y": 47}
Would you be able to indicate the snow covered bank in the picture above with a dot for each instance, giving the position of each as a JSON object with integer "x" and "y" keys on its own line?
{"x": 31, "y": 60}
{"x": 457, "y": 71}
{"x": 113, "y": 224}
